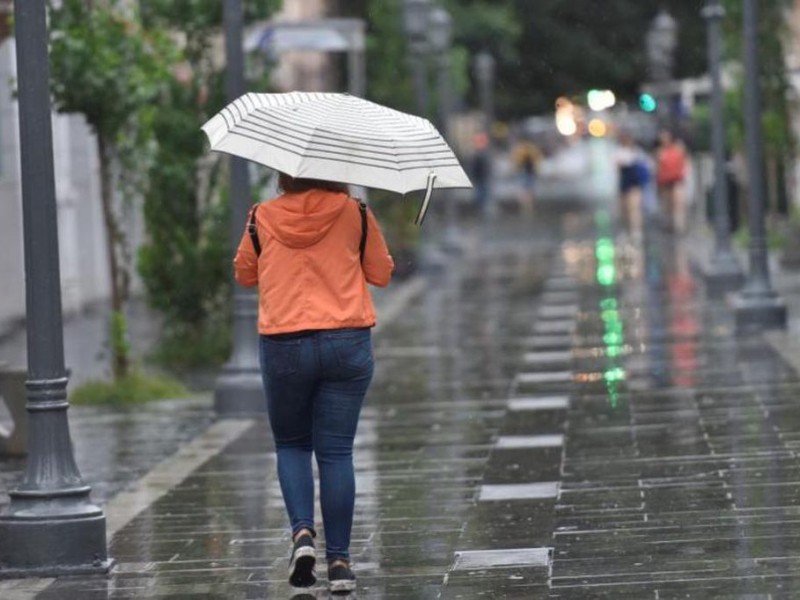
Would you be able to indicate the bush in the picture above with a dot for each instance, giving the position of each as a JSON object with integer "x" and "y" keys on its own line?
{"x": 183, "y": 348}
{"x": 134, "y": 388}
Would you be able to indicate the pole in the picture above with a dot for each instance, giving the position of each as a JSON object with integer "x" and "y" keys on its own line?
{"x": 452, "y": 237}
{"x": 757, "y": 306}
{"x": 723, "y": 271}
{"x": 420, "y": 72}
{"x": 50, "y": 527}
{"x": 238, "y": 389}
{"x": 484, "y": 69}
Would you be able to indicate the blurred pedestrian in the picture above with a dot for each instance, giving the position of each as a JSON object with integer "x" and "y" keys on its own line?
{"x": 481, "y": 171}
{"x": 526, "y": 157}
{"x": 634, "y": 175}
{"x": 311, "y": 252}
{"x": 671, "y": 176}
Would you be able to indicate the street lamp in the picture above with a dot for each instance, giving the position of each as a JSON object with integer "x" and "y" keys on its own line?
{"x": 50, "y": 527}
{"x": 484, "y": 69}
{"x": 662, "y": 39}
{"x": 415, "y": 24}
{"x": 723, "y": 272}
{"x": 757, "y": 306}
{"x": 239, "y": 389}
{"x": 440, "y": 37}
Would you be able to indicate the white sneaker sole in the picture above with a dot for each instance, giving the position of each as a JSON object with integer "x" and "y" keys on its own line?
{"x": 342, "y": 585}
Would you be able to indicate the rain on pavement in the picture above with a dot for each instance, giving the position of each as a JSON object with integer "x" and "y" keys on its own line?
{"x": 562, "y": 413}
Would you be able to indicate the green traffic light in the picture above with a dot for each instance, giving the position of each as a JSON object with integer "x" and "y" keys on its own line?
{"x": 648, "y": 103}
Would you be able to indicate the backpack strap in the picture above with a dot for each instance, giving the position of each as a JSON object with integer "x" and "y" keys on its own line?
{"x": 251, "y": 229}
{"x": 363, "y": 245}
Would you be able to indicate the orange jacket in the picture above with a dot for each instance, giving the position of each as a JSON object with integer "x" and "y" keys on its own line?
{"x": 309, "y": 274}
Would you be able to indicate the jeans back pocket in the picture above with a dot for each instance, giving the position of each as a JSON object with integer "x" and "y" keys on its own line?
{"x": 281, "y": 358}
{"x": 353, "y": 353}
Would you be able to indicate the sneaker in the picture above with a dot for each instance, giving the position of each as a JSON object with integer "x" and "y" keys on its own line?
{"x": 341, "y": 578}
{"x": 302, "y": 561}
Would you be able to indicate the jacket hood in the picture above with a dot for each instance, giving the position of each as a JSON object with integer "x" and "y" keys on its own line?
{"x": 300, "y": 220}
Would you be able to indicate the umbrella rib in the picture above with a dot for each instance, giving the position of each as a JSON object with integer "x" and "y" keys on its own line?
{"x": 270, "y": 120}
{"x": 330, "y": 141}
{"x": 435, "y": 162}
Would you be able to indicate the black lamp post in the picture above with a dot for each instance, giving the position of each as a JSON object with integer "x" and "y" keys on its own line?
{"x": 440, "y": 37}
{"x": 50, "y": 526}
{"x": 415, "y": 24}
{"x": 484, "y": 68}
{"x": 757, "y": 306}
{"x": 723, "y": 272}
{"x": 239, "y": 389}
{"x": 661, "y": 41}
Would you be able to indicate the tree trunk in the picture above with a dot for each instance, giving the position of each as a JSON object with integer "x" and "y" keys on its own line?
{"x": 119, "y": 354}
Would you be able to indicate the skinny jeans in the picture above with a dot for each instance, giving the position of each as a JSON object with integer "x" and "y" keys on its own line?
{"x": 315, "y": 383}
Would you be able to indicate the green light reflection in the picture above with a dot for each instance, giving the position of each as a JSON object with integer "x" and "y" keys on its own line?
{"x": 614, "y": 330}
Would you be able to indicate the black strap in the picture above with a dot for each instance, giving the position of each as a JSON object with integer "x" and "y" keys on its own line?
{"x": 251, "y": 229}
{"x": 363, "y": 245}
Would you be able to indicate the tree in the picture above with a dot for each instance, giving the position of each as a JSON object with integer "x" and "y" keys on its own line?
{"x": 107, "y": 68}
{"x": 185, "y": 263}
{"x": 570, "y": 46}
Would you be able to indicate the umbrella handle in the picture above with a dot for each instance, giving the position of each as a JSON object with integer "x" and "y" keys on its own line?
{"x": 423, "y": 209}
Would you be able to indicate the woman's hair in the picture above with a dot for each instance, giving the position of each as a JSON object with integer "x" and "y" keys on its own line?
{"x": 291, "y": 184}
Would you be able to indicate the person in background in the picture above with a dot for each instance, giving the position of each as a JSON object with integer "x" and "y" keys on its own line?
{"x": 671, "y": 175}
{"x": 481, "y": 171}
{"x": 526, "y": 157}
{"x": 633, "y": 174}
{"x": 311, "y": 253}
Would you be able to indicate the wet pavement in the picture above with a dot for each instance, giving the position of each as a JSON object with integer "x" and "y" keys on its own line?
{"x": 561, "y": 413}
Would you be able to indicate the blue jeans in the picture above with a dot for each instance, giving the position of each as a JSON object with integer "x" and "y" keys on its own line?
{"x": 315, "y": 385}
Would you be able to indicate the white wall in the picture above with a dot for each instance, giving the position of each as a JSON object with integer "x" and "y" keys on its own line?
{"x": 82, "y": 245}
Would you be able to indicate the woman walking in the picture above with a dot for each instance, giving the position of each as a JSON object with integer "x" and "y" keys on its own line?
{"x": 311, "y": 252}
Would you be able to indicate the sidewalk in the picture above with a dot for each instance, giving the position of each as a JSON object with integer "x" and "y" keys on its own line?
{"x": 445, "y": 366}
{"x": 537, "y": 428}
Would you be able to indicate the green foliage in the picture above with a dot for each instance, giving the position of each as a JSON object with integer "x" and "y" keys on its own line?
{"x": 185, "y": 264}
{"x": 184, "y": 349}
{"x": 133, "y": 388}
{"x": 107, "y": 68}
{"x": 569, "y": 46}
{"x": 544, "y": 49}
{"x": 772, "y": 32}
{"x": 120, "y": 345}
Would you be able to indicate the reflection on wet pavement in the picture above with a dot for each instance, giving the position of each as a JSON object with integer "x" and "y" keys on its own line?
{"x": 562, "y": 413}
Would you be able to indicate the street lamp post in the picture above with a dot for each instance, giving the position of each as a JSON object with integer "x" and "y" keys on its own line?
{"x": 239, "y": 389}
{"x": 723, "y": 272}
{"x": 661, "y": 41}
{"x": 757, "y": 306}
{"x": 484, "y": 67}
{"x": 415, "y": 24}
{"x": 440, "y": 37}
{"x": 50, "y": 526}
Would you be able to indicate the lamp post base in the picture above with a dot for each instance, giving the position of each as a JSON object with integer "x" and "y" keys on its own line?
{"x": 722, "y": 276}
{"x": 239, "y": 393}
{"x": 754, "y": 313}
{"x": 43, "y": 546}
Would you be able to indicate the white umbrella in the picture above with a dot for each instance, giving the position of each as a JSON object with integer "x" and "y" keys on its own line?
{"x": 337, "y": 137}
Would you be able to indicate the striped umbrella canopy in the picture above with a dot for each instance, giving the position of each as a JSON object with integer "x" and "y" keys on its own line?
{"x": 337, "y": 137}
